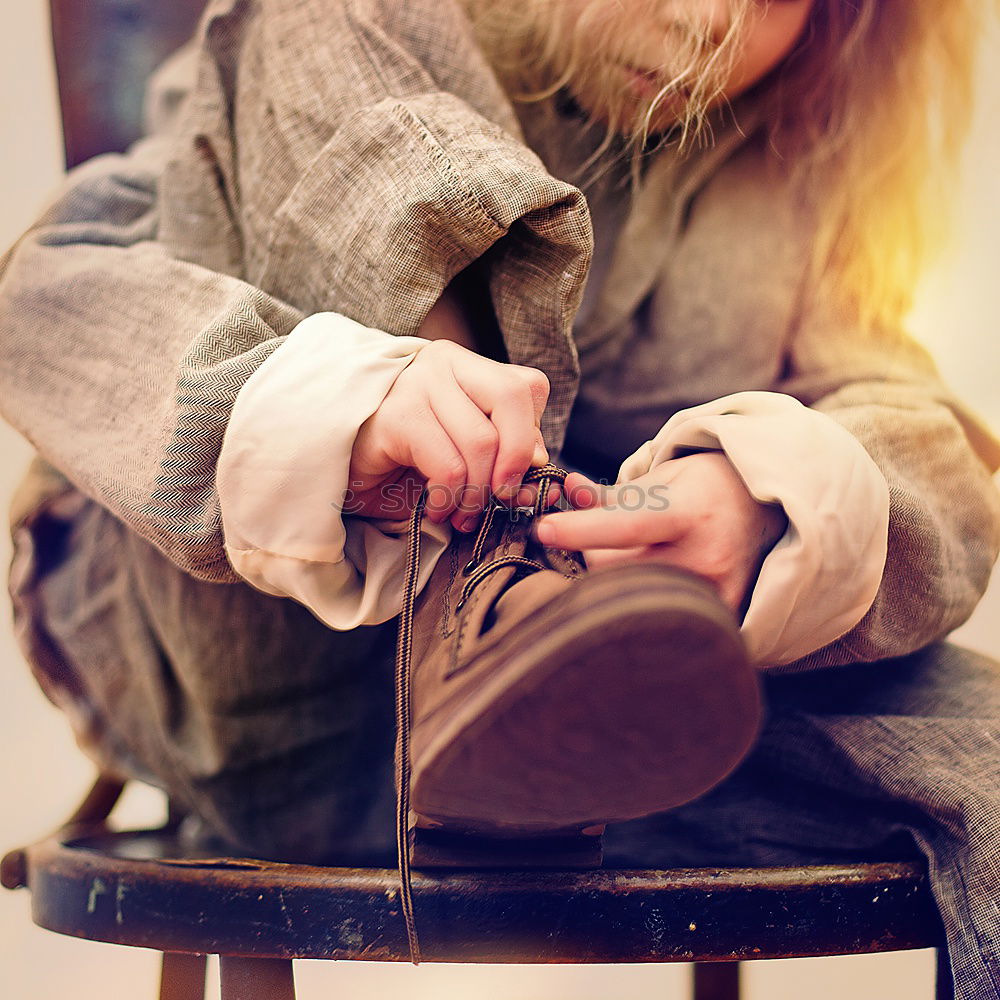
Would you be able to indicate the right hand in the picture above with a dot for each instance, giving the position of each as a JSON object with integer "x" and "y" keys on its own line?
{"x": 466, "y": 426}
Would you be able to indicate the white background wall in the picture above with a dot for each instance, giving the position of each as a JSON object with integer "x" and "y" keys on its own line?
{"x": 42, "y": 773}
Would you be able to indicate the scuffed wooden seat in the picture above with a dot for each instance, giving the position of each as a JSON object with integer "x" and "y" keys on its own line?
{"x": 142, "y": 888}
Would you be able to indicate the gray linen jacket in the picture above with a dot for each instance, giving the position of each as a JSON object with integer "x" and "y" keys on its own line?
{"x": 355, "y": 155}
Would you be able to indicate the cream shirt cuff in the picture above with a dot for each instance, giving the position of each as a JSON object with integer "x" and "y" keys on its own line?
{"x": 822, "y": 575}
{"x": 283, "y": 475}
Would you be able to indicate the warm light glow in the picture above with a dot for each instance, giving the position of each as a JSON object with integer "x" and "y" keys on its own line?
{"x": 958, "y": 306}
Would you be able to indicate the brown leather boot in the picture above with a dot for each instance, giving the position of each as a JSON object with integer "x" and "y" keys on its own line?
{"x": 544, "y": 698}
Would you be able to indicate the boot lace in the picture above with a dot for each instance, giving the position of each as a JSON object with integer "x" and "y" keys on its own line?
{"x": 476, "y": 571}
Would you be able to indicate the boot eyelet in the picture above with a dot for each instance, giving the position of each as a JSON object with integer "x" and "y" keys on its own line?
{"x": 469, "y": 568}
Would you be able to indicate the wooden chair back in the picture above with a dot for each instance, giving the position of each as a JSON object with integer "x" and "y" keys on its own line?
{"x": 104, "y": 52}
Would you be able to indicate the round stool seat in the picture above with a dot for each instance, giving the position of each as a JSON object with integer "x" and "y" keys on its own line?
{"x": 140, "y": 888}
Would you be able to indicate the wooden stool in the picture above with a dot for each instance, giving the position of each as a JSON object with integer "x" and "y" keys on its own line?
{"x": 140, "y": 888}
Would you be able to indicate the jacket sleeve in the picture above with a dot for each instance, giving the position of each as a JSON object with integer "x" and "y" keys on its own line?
{"x": 120, "y": 363}
{"x": 316, "y": 165}
{"x": 376, "y": 158}
{"x": 937, "y": 459}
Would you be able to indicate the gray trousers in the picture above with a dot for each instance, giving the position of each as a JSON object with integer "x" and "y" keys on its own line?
{"x": 278, "y": 733}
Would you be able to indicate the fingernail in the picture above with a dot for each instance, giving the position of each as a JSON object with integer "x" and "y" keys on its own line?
{"x": 509, "y": 487}
{"x": 545, "y": 532}
{"x": 468, "y": 524}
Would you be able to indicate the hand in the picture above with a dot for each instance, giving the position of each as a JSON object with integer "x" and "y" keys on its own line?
{"x": 463, "y": 424}
{"x": 693, "y": 512}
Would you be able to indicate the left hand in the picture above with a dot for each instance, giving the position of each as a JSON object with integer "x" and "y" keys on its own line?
{"x": 693, "y": 512}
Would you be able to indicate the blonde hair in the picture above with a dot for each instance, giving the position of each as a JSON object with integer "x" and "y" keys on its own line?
{"x": 868, "y": 112}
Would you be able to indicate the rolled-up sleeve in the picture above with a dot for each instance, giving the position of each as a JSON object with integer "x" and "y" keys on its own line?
{"x": 284, "y": 483}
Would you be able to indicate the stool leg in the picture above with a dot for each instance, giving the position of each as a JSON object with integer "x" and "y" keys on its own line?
{"x": 716, "y": 981}
{"x": 256, "y": 978}
{"x": 944, "y": 987}
{"x": 182, "y": 977}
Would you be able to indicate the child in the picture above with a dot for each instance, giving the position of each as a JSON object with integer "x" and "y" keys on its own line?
{"x": 359, "y": 254}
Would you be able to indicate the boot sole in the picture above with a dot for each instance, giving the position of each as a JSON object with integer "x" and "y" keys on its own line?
{"x": 630, "y": 695}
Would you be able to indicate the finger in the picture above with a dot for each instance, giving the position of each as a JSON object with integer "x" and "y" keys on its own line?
{"x": 607, "y": 557}
{"x": 730, "y": 589}
{"x": 580, "y": 491}
{"x": 647, "y": 491}
{"x": 538, "y": 386}
{"x": 540, "y": 456}
{"x": 520, "y": 444}
{"x": 527, "y": 495}
{"x": 513, "y": 398}
{"x": 476, "y": 439}
{"x": 429, "y": 450}
{"x": 516, "y": 494}
{"x": 520, "y": 441}
{"x": 584, "y": 493}
{"x": 606, "y": 527}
